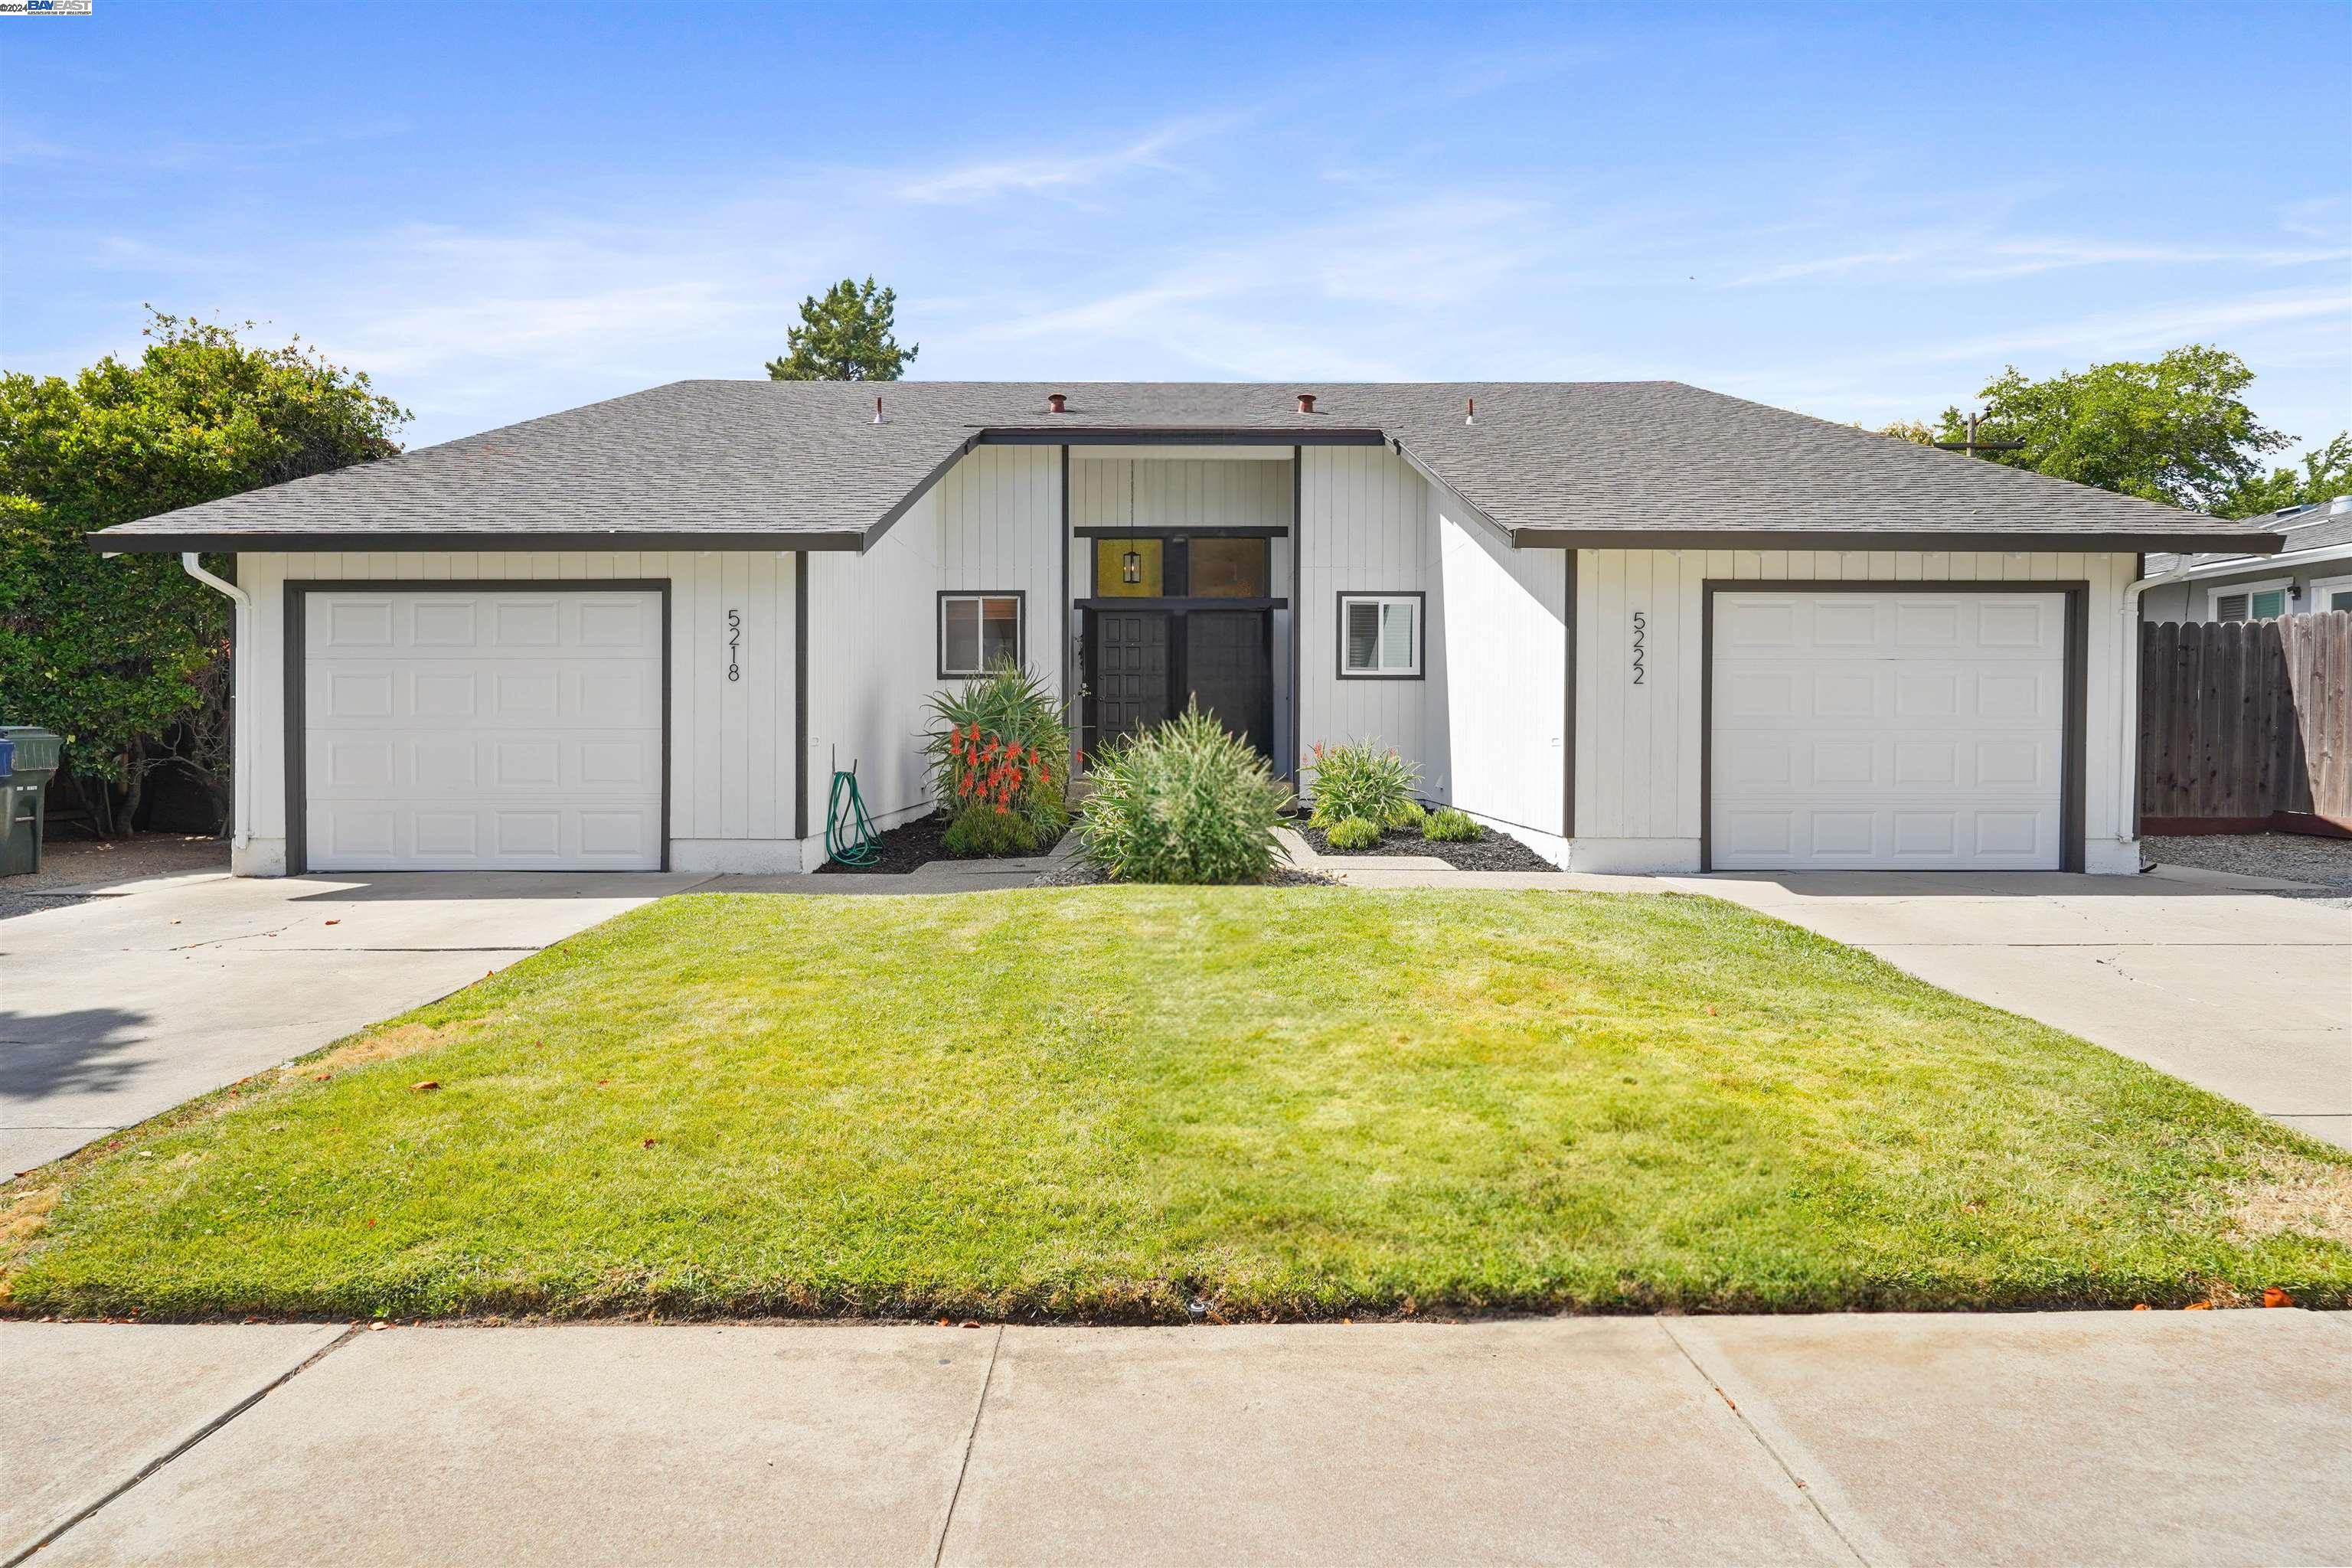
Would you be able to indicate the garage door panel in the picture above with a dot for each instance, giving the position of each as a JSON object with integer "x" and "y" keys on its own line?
{"x": 1905, "y": 728}
{"x": 479, "y": 729}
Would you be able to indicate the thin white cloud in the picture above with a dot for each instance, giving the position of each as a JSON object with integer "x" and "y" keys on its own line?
{"x": 1061, "y": 175}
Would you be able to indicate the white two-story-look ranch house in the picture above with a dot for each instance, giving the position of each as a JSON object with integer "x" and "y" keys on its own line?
{"x": 1639, "y": 626}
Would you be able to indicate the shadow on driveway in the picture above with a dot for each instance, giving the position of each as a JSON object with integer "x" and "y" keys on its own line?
{"x": 45, "y": 1056}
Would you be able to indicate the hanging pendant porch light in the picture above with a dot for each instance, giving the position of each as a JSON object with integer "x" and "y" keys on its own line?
{"x": 1131, "y": 566}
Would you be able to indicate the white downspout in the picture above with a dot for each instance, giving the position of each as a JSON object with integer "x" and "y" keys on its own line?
{"x": 241, "y": 758}
{"x": 2128, "y": 709}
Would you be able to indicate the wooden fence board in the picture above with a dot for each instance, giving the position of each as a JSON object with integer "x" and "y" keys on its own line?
{"x": 2242, "y": 720}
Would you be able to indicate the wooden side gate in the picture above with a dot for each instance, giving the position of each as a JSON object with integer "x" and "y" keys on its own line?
{"x": 2246, "y": 725}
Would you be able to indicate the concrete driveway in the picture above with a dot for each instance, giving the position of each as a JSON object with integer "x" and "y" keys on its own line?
{"x": 118, "y": 1008}
{"x": 2206, "y": 976}
{"x": 2147, "y": 1437}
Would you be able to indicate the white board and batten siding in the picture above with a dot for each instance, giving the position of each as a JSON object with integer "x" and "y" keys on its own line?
{"x": 730, "y": 741}
{"x": 1365, "y": 526}
{"x": 992, "y": 524}
{"x": 1637, "y": 798}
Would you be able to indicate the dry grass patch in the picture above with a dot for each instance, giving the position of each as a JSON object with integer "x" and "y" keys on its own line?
{"x": 2306, "y": 1199}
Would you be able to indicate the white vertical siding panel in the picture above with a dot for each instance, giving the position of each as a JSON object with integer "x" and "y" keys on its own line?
{"x": 1609, "y": 691}
{"x": 1633, "y": 737}
{"x": 733, "y": 698}
{"x": 1691, "y": 655}
{"x": 1907, "y": 566}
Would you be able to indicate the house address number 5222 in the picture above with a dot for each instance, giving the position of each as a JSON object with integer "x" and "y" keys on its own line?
{"x": 1640, "y": 636}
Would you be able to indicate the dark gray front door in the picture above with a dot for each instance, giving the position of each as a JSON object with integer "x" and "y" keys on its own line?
{"x": 1229, "y": 667}
{"x": 1130, "y": 671}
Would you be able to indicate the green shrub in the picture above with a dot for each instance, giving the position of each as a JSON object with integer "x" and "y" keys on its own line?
{"x": 1451, "y": 827}
{"x": 1352, "y": 833}
{"x": 1410, "y": 814}
{"x": 985, "y": 830}
{"x": 999, "y": 754}
{"x": 1181, "y": 803}
{"x": 1359, "y": 779}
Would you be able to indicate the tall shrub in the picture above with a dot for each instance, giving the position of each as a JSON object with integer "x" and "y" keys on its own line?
{"x": 118, "y": 655}
{"x": 999, "y": 752}
{"x": 1185, "y": 802}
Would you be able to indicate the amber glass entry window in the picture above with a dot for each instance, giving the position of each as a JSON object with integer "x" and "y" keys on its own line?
{"x": 1228, "y": 569}
{"x": 1110, "y": 580}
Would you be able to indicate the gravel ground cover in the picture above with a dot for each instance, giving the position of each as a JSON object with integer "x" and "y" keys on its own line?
{"x": 69, "y": 867}
{"x": 2324, "y": 863}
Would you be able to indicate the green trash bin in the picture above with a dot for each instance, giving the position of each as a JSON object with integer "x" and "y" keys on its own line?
{"x": 25, "y": 775}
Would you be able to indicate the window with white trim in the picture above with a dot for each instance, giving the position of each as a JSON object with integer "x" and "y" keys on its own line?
{"x": 2248, "y": 602}
{"x": 2332, "y": 594}
{"x": 1379, "y": 636}
{"x": 978, "y": 633}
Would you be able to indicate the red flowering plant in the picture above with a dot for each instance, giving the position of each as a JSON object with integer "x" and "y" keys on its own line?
{"x": 1000, "y": 757}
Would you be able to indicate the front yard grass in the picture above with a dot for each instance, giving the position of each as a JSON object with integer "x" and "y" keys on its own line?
{"x": 1115, "y": 1102}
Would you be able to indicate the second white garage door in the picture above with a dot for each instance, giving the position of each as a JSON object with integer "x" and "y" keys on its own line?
{"x": 1887, "y": 730}
{"x": 483, "y": 730}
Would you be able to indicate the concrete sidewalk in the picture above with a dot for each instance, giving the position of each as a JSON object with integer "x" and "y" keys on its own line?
{"x": 120, "y": 1009}
{"x": 2207, "y": 1437}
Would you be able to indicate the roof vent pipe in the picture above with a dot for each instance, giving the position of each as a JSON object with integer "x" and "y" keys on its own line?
{"x": 1471, "y": 415}
{"x": 877, "y": 412}
{"x": 1054, "y": 402}
{"x": 1307, "y": 403}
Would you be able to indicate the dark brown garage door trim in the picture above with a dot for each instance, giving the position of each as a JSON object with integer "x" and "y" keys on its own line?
{"x": 297, "y": 654}
{"x": 2072, "y": 751}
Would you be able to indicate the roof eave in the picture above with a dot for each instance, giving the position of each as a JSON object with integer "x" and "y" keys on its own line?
{"x": 291, "y": 542}
{"x": 2007, "y": 541}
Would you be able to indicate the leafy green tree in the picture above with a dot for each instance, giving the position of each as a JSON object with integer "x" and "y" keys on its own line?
{"x": 115, "y": 654}
{"x": 846, "y": 336}
{"x": 2326, "y": 474}
{"x": 2173, "y": 430}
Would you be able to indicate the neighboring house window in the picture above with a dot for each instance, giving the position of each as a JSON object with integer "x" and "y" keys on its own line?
{"x": 2248, "y": 602}
{"x": 978, "y": 632}
{"x": 1379, "y": 636}
{"x": 2332, "y": 594}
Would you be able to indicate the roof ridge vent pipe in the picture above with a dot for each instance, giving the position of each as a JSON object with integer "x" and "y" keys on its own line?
{"x": 877, "y": 413}
{"x": 240, "y": 719}
{"x": 1055, "y": 401}
{"x": 1307, "y": 403}
{"x": 1470, "y": 415}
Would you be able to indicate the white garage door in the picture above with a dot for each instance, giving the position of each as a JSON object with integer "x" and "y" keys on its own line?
{"x": 1918, "y": 730}
{"x": 482, "y": 730}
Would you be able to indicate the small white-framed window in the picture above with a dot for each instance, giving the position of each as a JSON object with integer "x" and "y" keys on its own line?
{"x": 2330, "y": 593}
{"x": 979, "y": 632}
{"x": 1381, "y": 637}
{"x": 2248, "y": 601}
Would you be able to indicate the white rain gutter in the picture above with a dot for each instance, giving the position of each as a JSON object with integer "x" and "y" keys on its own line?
{"x": 241, "y": 758}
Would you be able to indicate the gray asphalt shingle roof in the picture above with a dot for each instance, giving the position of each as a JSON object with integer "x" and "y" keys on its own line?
{"x": 2298, "y": 529}
{"x": 707, "y": 463}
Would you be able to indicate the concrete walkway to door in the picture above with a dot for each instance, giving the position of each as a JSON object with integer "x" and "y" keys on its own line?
{"x": 2210, "y": 977}
{"x": 118, "y": 1009}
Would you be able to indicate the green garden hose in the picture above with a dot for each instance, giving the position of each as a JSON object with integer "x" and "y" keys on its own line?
{"x": 849, "y": 836}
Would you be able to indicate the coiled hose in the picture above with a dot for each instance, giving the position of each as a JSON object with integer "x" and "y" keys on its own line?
{"x": 849, "y": 836}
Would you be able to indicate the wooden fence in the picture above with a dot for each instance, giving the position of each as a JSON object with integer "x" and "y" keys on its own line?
{"x": 2245, "y": 725}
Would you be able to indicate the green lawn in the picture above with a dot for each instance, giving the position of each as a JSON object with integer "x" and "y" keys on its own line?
{"x": 1107, "y": 1102}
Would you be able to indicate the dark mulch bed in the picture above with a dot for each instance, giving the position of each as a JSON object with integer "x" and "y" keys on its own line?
{"x": 911, "y": 843}
{"x": 1491, "y": 852}
{"x": 1075, "y": 873}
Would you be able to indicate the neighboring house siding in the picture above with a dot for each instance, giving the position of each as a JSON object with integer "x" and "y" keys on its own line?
{"x": 730, "y": 742}
{"x": 1495, "y": 740}
{"x": 2193, "y": 600}
{"x": 1638, "y": 748}
{"x": 1366, "y": 526}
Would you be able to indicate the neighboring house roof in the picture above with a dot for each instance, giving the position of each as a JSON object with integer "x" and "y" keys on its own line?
{"x": 803, "y": 465}
{"x": 2321, "y": 531}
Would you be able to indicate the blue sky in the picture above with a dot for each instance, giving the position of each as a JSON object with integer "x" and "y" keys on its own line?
{"x": 1861, "y": 211}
